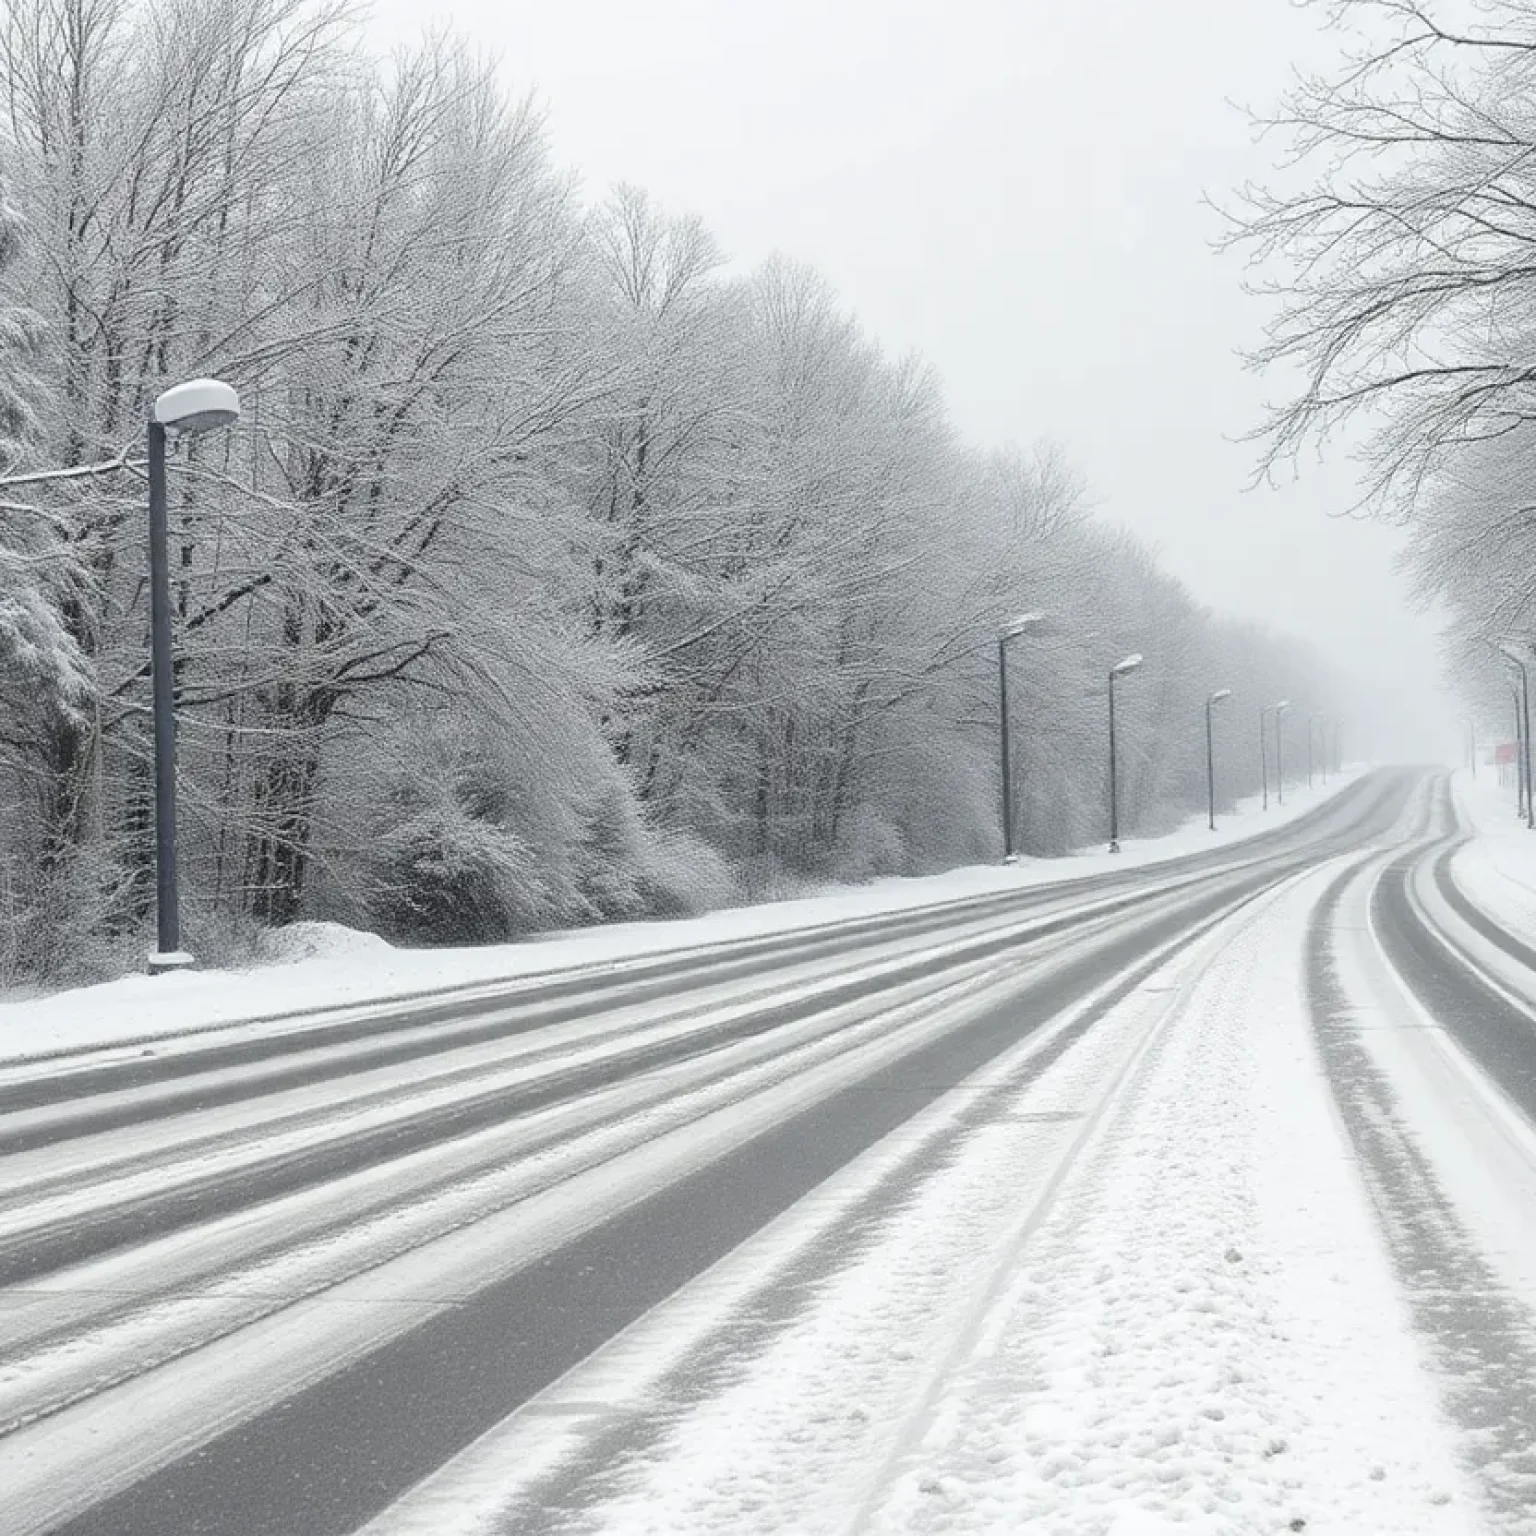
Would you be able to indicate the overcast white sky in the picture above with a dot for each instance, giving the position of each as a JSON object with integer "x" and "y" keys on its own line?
{"x": 1013, "y": 188}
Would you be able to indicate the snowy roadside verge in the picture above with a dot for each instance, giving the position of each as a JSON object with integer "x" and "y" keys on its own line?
{"x": 1496, "y": 869}
{"x": 349, "y": 969}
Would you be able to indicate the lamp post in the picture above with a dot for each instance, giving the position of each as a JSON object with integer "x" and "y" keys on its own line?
{"x": 1130, "y": 664}
{"x": 1010, "y": 631}
{"x": 187, "y": 410}
{"x": 1264, "y": 755}
{"x": 1523, "y": 741}
{"x": 1314, "y": 761}
{"x": 1513, "y": 655}
{"x": 1338, "y": 745}
{"x": 1520, "y": 784}
{"x": 1280, "y": 712}
{"x": 1220, "y": 696}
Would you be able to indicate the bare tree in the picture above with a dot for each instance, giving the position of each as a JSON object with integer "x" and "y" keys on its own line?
{"x": 1399, "y": 245}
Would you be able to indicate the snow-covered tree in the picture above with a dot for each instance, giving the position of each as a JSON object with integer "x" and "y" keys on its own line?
{"x": 552, "y": 573}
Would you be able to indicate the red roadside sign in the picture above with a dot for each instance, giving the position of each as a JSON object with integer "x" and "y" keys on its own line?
{"x": 1506, "y": 752}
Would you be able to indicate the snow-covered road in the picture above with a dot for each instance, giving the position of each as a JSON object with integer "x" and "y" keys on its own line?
{"x": 1146, "y": 1289}
{"x": 1177, "y": 1195}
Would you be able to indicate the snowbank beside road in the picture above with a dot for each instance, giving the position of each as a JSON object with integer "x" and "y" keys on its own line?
{"x": 341, "y": 968}
{"x": 1496, "y": 870}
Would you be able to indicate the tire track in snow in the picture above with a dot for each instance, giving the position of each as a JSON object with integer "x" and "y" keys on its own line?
{"x": 323, "y": 1155}
{"x": 1497, "y": 1033}
{"x": 1484, "y": 1339}
{"x": 776, "y": 1302}
{"x": 117, "y": 1334}
{"x": 1117, "y": 1095}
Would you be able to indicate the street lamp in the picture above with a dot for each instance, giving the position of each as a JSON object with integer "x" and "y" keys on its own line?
{"x": 1010, "y": 631}
{"x": 1512, "y": 654}
{"x": 1338, "y": 745}
{"x": 1520, "y": 784}
{"x": 1130, "y": 664}
{"x": 1313, "y": 720}
{"x": 187, "y": 410}
{"x": 1264, "y": 710}
{"x": 1220, "y": 696}
{"x": 1280, "y": 712}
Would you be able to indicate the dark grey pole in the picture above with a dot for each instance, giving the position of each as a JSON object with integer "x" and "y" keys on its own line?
{"x": 1114, "y": 798}
{"x": 1514, "y": 693}
{"x": 167, "y": 914}
{"x": 1525, "y": 700}
{"x": 1264, "y": 758}
{"x": 1002, "y": 695}
{"x": 1311, "y": 731}
{"x": 1279, "y": 759}
{"x": 1210, "y": 767}
{"x": 1338, "y": 746}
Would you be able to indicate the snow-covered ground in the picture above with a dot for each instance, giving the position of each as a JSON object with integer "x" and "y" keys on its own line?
{"x": 343, "y": 968}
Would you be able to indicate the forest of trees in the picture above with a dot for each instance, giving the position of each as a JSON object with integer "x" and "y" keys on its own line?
{"x": 554, "y": 573}
{"x": 1401, "y": 243}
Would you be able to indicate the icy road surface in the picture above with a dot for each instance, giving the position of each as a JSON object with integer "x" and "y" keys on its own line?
{"x": 1193, "y": 1197}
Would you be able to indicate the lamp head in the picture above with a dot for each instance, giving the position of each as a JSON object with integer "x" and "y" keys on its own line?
{"x": 1130, "y": 664}
{"x": 1219, "y": 696}
{"x": 1018, "y": 624}
{"x": 200, "y": 405}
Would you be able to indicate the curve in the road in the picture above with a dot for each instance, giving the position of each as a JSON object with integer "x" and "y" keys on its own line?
{"x": 1479, "y": 1331}
{"x": 1496, "y": 1033}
